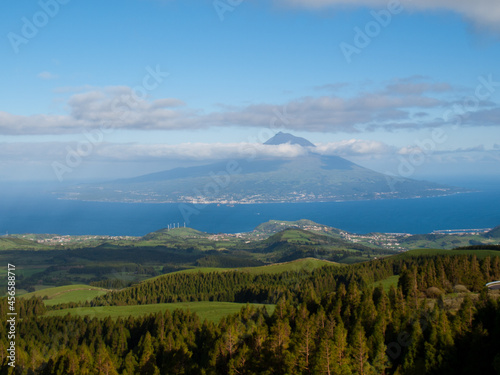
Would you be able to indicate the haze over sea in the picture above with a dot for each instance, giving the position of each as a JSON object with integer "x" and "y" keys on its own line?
{"x": 26, "y": 210}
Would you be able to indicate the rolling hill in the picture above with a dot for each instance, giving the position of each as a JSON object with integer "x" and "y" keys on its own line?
{"x": 274, "y": 226}
{"x": 305, "y": 264}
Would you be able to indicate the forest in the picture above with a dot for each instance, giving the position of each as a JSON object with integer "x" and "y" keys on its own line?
{"x": 438, "y": 319}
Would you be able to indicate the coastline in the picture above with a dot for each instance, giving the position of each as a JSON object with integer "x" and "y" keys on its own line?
{"x": 229, "y": 203}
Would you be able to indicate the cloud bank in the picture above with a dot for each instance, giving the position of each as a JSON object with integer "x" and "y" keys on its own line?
{"x": 204, "y": 152}
{"x": 403, "y": 104}
{"x": 483, "y": 13}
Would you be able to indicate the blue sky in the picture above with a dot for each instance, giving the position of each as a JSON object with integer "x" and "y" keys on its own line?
{"x": 136, "y": 86}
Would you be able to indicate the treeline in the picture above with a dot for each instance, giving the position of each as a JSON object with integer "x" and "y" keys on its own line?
{"x": 417, "y": 274}
{"x": 25, "y": 308}
{"x": 236, "y": 286}
{"x": 231, "y": 286}
{"x": 444, "y": 272}
{"x": 479, "y": 247}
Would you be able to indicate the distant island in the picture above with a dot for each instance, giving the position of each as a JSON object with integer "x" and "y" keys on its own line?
{"x": 311, "y": 177}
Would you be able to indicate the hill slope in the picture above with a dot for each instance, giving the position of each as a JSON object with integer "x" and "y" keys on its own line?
{"x": 66, "y": 294}
{"x": 274, "y": 226}
{"x": 494, "y": 233}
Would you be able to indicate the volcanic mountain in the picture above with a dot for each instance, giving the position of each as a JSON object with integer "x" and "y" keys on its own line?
{"x": 283, "y": 138}
{"x": 308, "y": 178}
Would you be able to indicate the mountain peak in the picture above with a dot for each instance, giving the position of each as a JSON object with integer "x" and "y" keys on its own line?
{"x": 283, "y": 138}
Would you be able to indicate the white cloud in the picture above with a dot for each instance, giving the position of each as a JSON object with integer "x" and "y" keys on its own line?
{"x": 202, "y": 152}
{"x": 120, "y": 107}
{"x": 354, "y": 147}
{"x": 329, "y": 113}
{"x": 112, "y": 107}
{"x": 408, "y": 150}
{"x": 199, "y": 151}
{"x": 394, "y": 107}
{"x": 37, "y": 124}
{"x": 484, "y": 13}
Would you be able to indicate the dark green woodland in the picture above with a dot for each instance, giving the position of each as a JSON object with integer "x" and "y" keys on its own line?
{"x": 438, "y": 319}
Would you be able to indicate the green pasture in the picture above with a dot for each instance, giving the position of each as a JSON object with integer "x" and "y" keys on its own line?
{"x": 212, "y": 311}
{"x": 67, "y": 294}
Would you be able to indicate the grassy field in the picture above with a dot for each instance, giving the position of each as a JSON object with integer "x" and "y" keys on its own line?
{"x": 387, "y": 283}
{"x": 212, "y": 311}
{"x": 66, "y": 294}
{"x": 10, "y": 243}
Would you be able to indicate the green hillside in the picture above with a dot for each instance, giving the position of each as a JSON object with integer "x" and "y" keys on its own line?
{"x": 174, "y": 234}
{"x": 305, "y": 237}
{"x": 12, "y": 243}
{"x": 494, "y": 233}
{"x": 307, "y": 264}
{"x": 274, "y": 226}
{"x": 292, "y": 243}
{"x": 297, "y": 236}
{"x": 67, "y": 294}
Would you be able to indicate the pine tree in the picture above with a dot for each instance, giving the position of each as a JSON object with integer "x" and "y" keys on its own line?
{"x": 359, "y": 350}
{"x": 324, "y": 357}
{"x": 237, "y": 363}
{"x": 103, "y": 364}
{"x": 340, "y": 351}
{"x": 147, "y": 359}
{"x": 304, "y": 339}
{"x": 85, "y": 359}
{"x": 232, "y": 340}
{"x": 378, "y": 349}
{"x": 411, "y": 362}
{"x": 129, "y": 364}
{"x": 465, "y": 315}
{"x": 279, "y": 342}
{"x": 367, "y": 312}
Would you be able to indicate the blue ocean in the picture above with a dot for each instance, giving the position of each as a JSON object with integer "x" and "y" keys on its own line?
{"x": 30, "y": 210}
